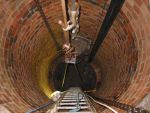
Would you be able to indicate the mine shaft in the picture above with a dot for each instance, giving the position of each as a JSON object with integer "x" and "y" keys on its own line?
{"x": 74, "y": 56}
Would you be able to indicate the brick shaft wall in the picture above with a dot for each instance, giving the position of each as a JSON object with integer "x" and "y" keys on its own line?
{"x": 118, "y": 58}
{"x": 24, "y": 44}
{"x": 124, "y": 55}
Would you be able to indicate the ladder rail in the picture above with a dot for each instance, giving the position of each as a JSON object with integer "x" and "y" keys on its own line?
{"x": 74, "y": 100}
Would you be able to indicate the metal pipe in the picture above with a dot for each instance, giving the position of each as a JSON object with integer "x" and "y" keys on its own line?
{"x": 111, "y": 15}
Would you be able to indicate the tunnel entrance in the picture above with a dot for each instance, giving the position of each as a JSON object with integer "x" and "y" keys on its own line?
{"x": 77, "y": 75}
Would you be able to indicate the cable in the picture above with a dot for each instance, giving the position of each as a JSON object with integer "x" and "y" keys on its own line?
{"x": 78, "y": 72}
{"x": 102, "y": 104}
{"x": 50, "y": 102}
{"x": 64, "y": 76}
{"x": 78, "y": 106}
{"x": 41, "y": 107}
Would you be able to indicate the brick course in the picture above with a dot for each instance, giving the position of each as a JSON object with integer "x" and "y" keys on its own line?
{"x": 25, "y": 42}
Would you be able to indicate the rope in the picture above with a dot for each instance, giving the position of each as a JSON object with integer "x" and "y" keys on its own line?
{"x": 78, "y": 72}
{"x": 64, "y": 76}
{"x": 102, "y": 104}
{"x": 41, "y": 107}
{"x": 78, "y": 107}
{"x": 89, "y": 91}
{"x": 50, "y": 102}
{"x": 73, "y": 5}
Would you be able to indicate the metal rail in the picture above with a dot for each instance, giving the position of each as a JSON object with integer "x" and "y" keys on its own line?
{"x": 73, "y": 101}
{"x": 111, "y": 15}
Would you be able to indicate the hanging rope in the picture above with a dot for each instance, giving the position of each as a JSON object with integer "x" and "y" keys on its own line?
{"x": 78, "y": 72}
{"x": 64, "y": 76}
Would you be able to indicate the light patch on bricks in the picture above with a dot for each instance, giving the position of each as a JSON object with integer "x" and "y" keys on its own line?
{"x": 4, "y": 109}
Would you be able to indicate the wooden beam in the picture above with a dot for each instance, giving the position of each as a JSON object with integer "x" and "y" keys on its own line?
{"x": 66, "y": 33}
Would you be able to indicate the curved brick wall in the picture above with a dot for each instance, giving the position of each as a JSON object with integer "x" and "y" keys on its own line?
{"x": 26, "y": 50}
{"x": 118, "y": 57}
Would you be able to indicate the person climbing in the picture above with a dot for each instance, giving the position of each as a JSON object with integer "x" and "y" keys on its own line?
{"x": 73, "y": 23}
{"x": 70, "y": 25}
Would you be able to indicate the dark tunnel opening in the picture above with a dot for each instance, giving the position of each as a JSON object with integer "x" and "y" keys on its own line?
{"x": 76, "y": 75}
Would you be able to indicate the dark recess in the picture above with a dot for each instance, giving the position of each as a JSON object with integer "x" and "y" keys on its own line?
{"x": 86, "y": 78}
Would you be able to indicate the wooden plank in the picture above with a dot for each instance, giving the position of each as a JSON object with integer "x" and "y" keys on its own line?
{"x": 66, "y": 33}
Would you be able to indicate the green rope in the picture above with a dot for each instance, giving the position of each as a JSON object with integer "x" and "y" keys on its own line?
{"x": 64, "y": 76}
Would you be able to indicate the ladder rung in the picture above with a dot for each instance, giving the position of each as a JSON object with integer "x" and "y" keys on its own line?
{"x": 72, "y": 107}
{"x": 65, "y": 98}
{"x": 83, "y": 100}
{"x": 74, "y": 103}
{"x": 77, "y": 112}
{"x": 73, "y": 99}
{"x": 73, "y": 95}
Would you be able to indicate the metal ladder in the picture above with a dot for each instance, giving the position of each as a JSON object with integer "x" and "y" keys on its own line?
{"x": 74, "y": 101}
